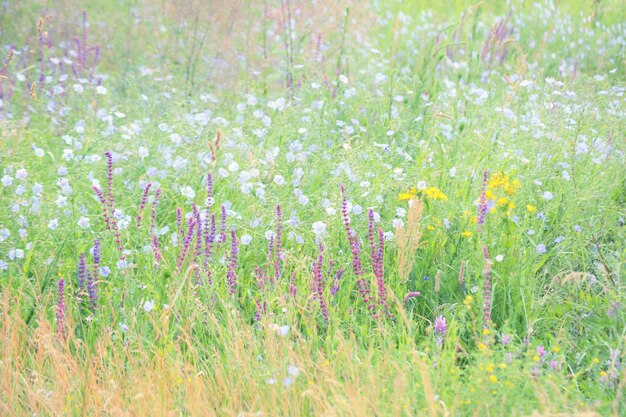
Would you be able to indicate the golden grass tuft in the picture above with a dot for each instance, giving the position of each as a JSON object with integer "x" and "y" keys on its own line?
{"x": 408, "y": 238}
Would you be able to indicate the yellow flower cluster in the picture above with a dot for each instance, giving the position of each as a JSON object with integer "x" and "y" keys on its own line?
{"x": 501, "y": 181}
{"x": 500, "y": 188}
{"x": 433, "y": 193}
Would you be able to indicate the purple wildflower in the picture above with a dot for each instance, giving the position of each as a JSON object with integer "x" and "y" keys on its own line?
{"x": 155, "y": 249}
{"x": 440, "y": 329}
{"x": 105, "y": 210}
{"x": 61, "y": 310}
{"x": 223, "y": 225}
{"x": 231, "y": 275}
{"x": 209, "y": 238}
{"x": 142, "y": 203}
{"x": 355, "y": 248}
{"x": 82, "y": 268}
{"x": 411, "y": 295}
{"x": 186, "y": 242}
{"x": 155, "y": 203}
{"x": 179, "y": 221}
{"x": 317, "y": 287}
{"x": 92, "y": 291}
{"x": 334, "y": 288}
{"x": 487, "y": 291}
{"x": 379, "y": 272}
{"x": 96, "y": 256}
{"x": 482, "y": 207}
{"x": 293, "y": 288}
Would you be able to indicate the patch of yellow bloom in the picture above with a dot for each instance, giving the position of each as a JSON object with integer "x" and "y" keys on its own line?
{"x": 466, "y": 234}
{"x": 493, "y": 378}
{"x": 434, "y": 193}
{"x": 407, "y": 195}
{"x": 531, "y": 208}
{"x": 468, "y": 301}
{"x": 501, "y": 181}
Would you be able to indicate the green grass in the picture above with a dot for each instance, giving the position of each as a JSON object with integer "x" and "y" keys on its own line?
{"x": 426, "y": 98}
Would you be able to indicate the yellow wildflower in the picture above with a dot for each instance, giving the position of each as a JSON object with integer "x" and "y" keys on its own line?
{"x": 434, "y": 193}
{"x": 595, "y": 360}
{"x": 493, "y": 378}
{"x": 407, "y": 195}
{"x": 467, "y": 234}
{"x": 485, "y": 332}
{"x": 531, "y": 208}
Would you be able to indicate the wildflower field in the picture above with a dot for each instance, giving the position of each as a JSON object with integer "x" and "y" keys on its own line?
{"x": 312, "y": 208}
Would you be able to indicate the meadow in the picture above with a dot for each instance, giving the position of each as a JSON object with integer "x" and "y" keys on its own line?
{"x": 312, "y": 208}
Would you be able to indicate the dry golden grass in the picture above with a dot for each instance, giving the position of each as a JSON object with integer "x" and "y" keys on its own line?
{"x": 408, "y": 239}
{"x": 226, "y": 374}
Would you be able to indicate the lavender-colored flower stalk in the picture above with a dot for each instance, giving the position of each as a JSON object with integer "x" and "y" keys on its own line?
{"x": 317, "y": 287}
{"x": 293, "y": 288}
{"x": 186, "y": 242}
{"x": 105, "y": 210}
{"x": 61, "y": 310}
{"x": 142, "y": 203}
{"x": 92, "y": 291}
{"x": 487, "y": 291}
{"x": 411, "y": 295}
{"x": 482, "y": 207}
{"x": 355, "y": 248}
{"x": 380, "y": 274}
{"x": 82, "y": 269}
{"x": 231, "y": 274}
{"x": 96, "y": 256}
{"x": 334, "y": 288}
{"x": 223, "y": 225}
{"x": 261, "y": 309}
{"x": 209, "y": 238}
{"x": 440, "y": 329}
{"x": 179, "y": 221}
{"x": 155, "y": 249}
{"x": 110, "y": 202}
{"x": 260, "y": 278}
{"x": 155, "y": 203}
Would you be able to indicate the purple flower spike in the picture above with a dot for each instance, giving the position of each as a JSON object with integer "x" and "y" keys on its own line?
{"x": 92, "y": 291}
{"x": 362, "y": 283}
{"x": 223, "y": 225}
{"x": 231, "y": 274}
{"x": 411, "y": 295}
{"x": 82, "y": 269}
{"x": 61, "y": 310}
{"x": 487, "y": 291}
{"x": 441, "y": 325}
{"x": 186, "y": 242}
{"x": 440, "y": 329}
{"x": 142, "y": 203}
{"x": 483, "y": 206}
